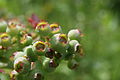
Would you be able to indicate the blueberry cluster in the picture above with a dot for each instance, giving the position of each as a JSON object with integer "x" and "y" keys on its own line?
{"x": 38, "y": 50}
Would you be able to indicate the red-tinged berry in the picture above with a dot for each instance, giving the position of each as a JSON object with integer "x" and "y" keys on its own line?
{"x": 59, "y": 42}
{"x": 43, "y": 29}
{"x": 39, "y": 48}
{"x": 14, "y": 27}
{"x": 21, "y": 65}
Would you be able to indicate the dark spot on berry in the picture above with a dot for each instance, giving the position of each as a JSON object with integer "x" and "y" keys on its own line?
{"x": 50, "y": 53}
{"x": 53, "y": 64}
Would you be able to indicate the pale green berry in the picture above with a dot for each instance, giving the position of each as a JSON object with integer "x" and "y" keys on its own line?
{"x": 26, "y": 40}
{"x": 39, "y": 48}
{"x": 30, "y": 54}
{"x": 19, "y": 54}
{"x": 43, "y": 28}
{"x": 74, "y": 46}
{"x": 59, "y": 42}
{"x": 49, "y": 65}
{"x": 14, "y": 28}
{"x": 74, "y": 34}
{"x": 21, "y": 65}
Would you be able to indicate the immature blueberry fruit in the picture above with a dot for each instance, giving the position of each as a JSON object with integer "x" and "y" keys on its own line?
{"x": 14, "y": 27}
{"x": 73, "y": 46}
{"x": 5, "y": 40}
{"x": 3, "y": 26}
{"x": 55, "y": 28}
{"x": 30, "y": 54}
{"x": 21, "y": 65}
{"x": 26, "y": 40}
{"x": 74, "y": 34}
{"x": 39, "y": 48}
{"x": 43, "y": 28}
{"x": 59, "y": 42}
{"x": 19, "y": 54}
{"x": 50, "y": 65}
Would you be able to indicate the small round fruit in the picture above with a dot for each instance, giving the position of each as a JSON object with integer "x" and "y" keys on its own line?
{"x": 49, "y": 65}
{"x": 43, "y": 28}
{"x": 59, "y": 43}
{"x": 55, "y": 28}
{"x": 26, "y": 40}
{"x": 30, "y": 54}
{"x": 39, "y": 48}
{"x": 73, "y": 46}
{"x": 74, "y": 34}
{"x": 19, "y": 54}
{"x": 21, "y": 65}
{"x": 5, "y": 40}
{"x": 14, "y": 27}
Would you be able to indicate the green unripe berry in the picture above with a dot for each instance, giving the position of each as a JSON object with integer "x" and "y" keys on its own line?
{"x": 74, "y": 34}
{"x": 21, "y": 65}
{"x": 55, "y": 28}
{"x": 49, "y": 65}
{"x": 19, "y": 54}
{"x": 14, "y": 28}
{"x": 73, "y": 46}
{"x": 5, "y": 40}
{"x": 30, "y": 54}
{"x": 59, "y": 43}
{"x": 26, "y": 40}
{"x": 39, "y": 48}
{"x": 43, "y": 28}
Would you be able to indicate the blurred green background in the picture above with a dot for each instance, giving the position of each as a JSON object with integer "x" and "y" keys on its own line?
{"x": 99, "y": 20}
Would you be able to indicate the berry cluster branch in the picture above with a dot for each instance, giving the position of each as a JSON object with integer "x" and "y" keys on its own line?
{"x": 32, "y": 53}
